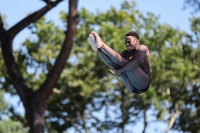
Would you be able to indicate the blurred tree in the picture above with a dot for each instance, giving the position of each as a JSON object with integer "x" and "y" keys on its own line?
{"x": 165, "y": 44}
{"x": 4, "y": 105}
{"x": 92, "y": 88}
{"x": 7, "y": 125}
{"x": 34, "y": 101}
{"x": 10, "y": 126}
{"x": 89, "y": 99}
{"x": 190, "y": 93}
{"x": 195, "y": 4}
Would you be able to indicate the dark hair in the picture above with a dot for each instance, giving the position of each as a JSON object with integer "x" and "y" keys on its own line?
{"x": 134, "y": 34}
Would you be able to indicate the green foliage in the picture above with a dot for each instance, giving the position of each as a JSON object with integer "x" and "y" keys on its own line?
{"x": 87, "y": 93}
{"x": 38, "y": 53}
{"x": 4, "y": 81}
{"x": 9, "y": 126}
{"x": 4, "y": 105}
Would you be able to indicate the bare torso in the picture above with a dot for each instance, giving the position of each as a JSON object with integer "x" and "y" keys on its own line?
{"x": 131, "y": 55}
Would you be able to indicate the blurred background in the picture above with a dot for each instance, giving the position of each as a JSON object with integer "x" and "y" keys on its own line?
{"x": 87, "y": 98}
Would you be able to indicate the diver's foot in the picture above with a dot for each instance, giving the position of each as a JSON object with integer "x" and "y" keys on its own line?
{"x": 99, "y": 42}
{"x": 92, "y": 41}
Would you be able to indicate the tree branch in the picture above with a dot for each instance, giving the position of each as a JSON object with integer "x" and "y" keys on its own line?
{"x": 6, "y": 39}
{"x": 84, "y": 123}
{"x": 46, "y": 89}
{"x": 145, "y": 120}
{"x": 144, "y": 107}
{"x": 172, "y": 120}
{"x": 2, "y": 30}
{"x": 12, "y": 67}
{"x": 13, "y": 31}
{"x": 195, "y": 4}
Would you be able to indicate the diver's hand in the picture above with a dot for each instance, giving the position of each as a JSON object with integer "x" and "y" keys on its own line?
{"x": 116, "y": 72}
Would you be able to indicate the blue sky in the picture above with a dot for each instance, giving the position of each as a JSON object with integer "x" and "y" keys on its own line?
{"x": 170, "y": 12}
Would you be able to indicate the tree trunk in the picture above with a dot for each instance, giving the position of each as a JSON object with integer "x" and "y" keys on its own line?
{"x": 145, "y": 120}
{"x": 145, "y": 115}
{"x": 34, "y": 109}
{"x": 36, "y": 118}
{"x": 34, "y": 102}
{"x": 84, "y": 124}
{"x": 124, "y": 110}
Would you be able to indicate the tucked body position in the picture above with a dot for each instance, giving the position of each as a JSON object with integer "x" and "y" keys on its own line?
{"x": 132, "y": 66}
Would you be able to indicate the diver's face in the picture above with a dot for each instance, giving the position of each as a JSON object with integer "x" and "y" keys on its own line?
{"x": 131, "y": 43}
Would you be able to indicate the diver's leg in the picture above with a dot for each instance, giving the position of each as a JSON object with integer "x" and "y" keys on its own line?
{"x": 138, "y": 78}
{"x": 106, "y": 59}
{"x": 114, "y": 56}
{"x": 125, "y": 80}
